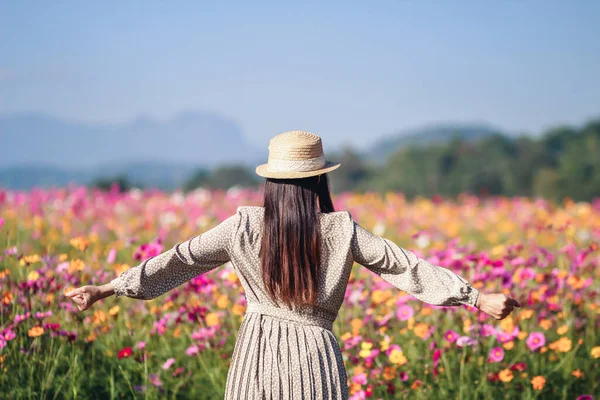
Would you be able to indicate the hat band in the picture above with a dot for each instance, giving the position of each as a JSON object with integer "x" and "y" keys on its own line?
{"x": 309, "y": 164}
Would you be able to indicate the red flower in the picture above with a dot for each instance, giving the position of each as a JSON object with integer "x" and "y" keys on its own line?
{"x": 520, "y": 366}
{"x": 126, "y": 352}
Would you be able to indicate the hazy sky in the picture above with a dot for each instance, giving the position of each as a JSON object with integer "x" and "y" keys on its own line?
{"x": 343, "y": 70}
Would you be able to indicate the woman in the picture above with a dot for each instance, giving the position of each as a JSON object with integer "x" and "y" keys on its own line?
{"x": 293, "y": 257}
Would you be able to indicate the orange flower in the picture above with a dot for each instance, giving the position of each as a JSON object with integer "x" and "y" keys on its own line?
{"x": 421, "y": 330}
{"x": 238, "y": 309}
{"x": 506, "y": 375}
{"x": 577, "y": 373}
{"x": 561, "y": 345}
{"x": 36, "y": 331}
{"x": 538, "y": 382}
{"x": 416, "y": 384}
{"x": 7, "y": 297}
{"x": 113, "y": 311}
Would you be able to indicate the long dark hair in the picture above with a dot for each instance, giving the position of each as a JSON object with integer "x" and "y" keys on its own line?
{"x": 290, "y": 251}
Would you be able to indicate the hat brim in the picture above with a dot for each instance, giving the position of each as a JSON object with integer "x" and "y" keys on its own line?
{"x": 262, "y": 170}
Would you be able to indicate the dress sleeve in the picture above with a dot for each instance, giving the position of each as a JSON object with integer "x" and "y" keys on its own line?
{"x": 186, "y": 260}
{"x": 427, "y": 282}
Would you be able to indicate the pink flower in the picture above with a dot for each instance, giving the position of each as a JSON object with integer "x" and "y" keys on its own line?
{"x": 1, "y": 222}
{"x": 536, "y": 340}
{"x": 405, "y": 313}
{"x": 496, "y": 354}
{"x": 465, "y": 341}
{"x": 155, "y": 380}
{"x": 112, "y": 255}
{"x": 192, "y": 350}
{"x": 141, "y": 345}
{"x": 585, "y": 397}
{"x": 451, "y": 336}
{"x": 360, "y": 379}
{"x": 8, "y": 335}
{"x": 403, "y": 376}
{"x": 168, "y": 363}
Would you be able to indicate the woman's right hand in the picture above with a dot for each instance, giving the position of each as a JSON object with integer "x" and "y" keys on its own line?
{"x": 87, "y": 295}
{"x": 496, "y": 305}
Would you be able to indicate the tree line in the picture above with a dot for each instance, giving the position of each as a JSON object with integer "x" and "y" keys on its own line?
{"x": 562, "y": 162}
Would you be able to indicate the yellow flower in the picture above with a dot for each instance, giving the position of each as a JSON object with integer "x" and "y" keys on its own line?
{"x": 80, "y": 243}
{"x": 507, "y": 324}
{"x": 33, "y": 276}
{"x": 63, "y": 257}
{"x": 506, "y": 375}
{"x": 26, "y": 260}
{"x": 562, "y": 330}
{"x": 509, "y": 345}
{"x": 222, "y": 301}
{"x": 212, "y": 319}
{"x": 397, "y": 357}
{"x": 36, "y": 331}
{"x": 595, "y": 352}
{"x": 113, "y": 311}
{"x": 385, "y": 344}
{"x": 379, "y": 296}
{"x": 538, "y": 382}
{"x": 365, "y": 349}
{"x": 76, "y": 265}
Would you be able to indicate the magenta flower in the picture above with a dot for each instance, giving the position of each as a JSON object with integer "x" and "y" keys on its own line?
{"x": 403, "y": 376}
{"x": 585, "y": 397}
{"x": 140, "y": 345}
{"x": 536, "y": 340}
{"x": 496, "y": 354}
{"x": 451, "y": 336}
{"x": 405, "y": 313}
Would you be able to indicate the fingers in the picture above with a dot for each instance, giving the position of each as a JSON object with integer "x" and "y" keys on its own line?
{"x": 514, "y": 302}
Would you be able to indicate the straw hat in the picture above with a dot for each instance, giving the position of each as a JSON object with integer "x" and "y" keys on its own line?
{"x": 295, "y": 154}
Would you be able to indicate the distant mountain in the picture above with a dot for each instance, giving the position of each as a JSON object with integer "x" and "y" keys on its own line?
{"x": 194, "y": 138}
{"x": 425, "y": 136}
{"x": 38, "y": 150}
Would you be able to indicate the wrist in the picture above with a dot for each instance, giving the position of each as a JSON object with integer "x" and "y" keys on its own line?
{"x": 479, "y": 300}
{"x": 106, "y": 290}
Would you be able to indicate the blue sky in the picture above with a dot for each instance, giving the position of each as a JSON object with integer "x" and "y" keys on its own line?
{"x": 347, "y": 71}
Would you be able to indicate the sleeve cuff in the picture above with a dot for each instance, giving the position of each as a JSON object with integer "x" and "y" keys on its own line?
{"x": 472, "y": 297}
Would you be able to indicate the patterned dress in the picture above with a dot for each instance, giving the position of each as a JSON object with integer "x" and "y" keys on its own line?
{"x": 283, "y": 353}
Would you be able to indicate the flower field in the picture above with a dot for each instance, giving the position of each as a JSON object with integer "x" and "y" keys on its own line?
{"x": 179, "y": 345}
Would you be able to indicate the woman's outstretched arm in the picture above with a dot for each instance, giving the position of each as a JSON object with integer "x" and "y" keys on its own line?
{"x": 159, "y": 274}
{"x": 425, "y": 281}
